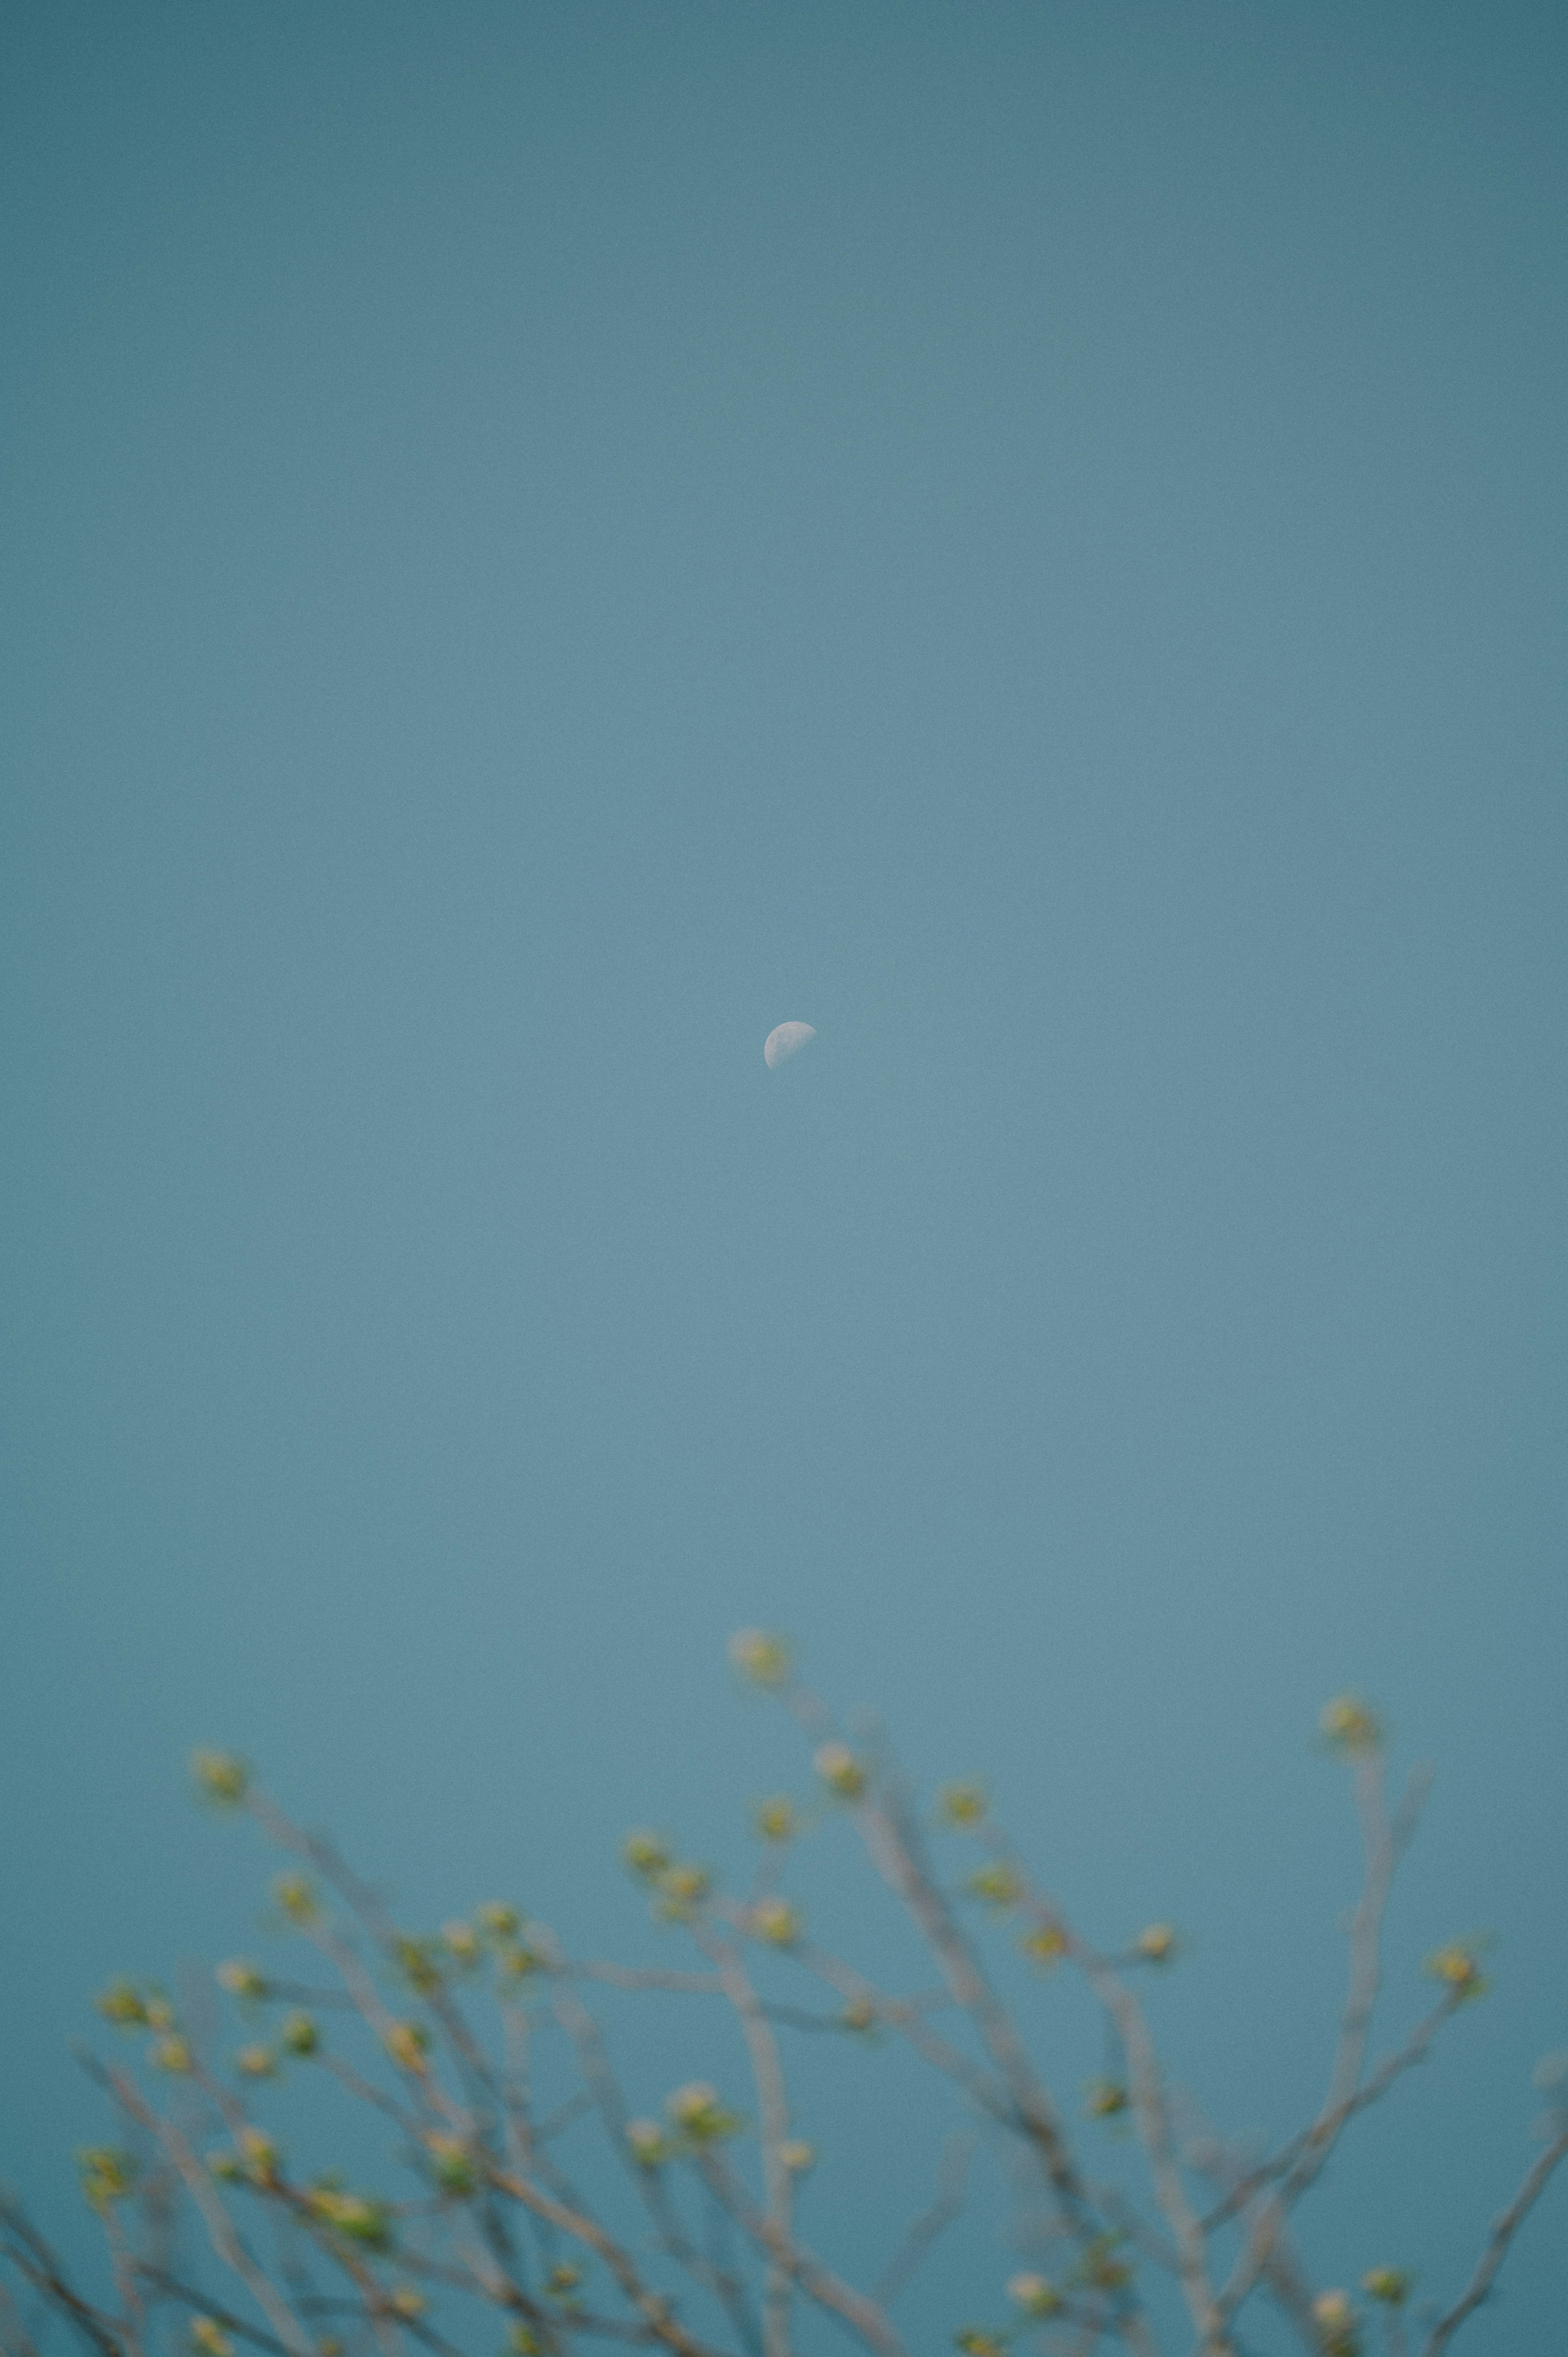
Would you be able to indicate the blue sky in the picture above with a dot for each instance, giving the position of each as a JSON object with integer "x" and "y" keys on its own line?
{"x": 546, "y": 540}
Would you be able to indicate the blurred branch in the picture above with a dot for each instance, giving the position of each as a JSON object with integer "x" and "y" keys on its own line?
{"x": 170, "y": 2288}
{"x": 221, "y": 2229}
{"x": 1414, "y": 2050}
{"x": 492, "y": 2215}
{"x": 1149, "y": 2108}
{"x": 1383, "y": 1844}
{"x": 624, "y": 1976}
{"x": 951, "y": 2184}
{"x": 605, "y": 2091}
{"x": 36, "y": 2263}
{"x": 654, "y": 2312}
{"x": 1502, "y": 2235}
{"x": 863, "y": 2316}
{"x": 773, "y": 2105}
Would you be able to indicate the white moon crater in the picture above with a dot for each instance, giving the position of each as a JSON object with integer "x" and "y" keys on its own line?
{"x": 783, "y": 1040}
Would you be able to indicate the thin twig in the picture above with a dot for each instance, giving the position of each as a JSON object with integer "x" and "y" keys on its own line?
{"x": 45, "y": 2273}
{"x": 221, "y": 2229}
{"x": 1382, "y": 1847}
{"x": 1414, "y": 2050}
{"x": 951, "y": 2184}
{"x": 773, "y": 2106}
{"x": 626, "y": 1977}
{"x": 172, "y": 2289}
{"x": 863, "y": 2316}
{"x": 1150, "y": 2110}
{"x": 594, "y": 2062}
{"x": 654, "y": 2311}
{"x": 1502, "y": 2235}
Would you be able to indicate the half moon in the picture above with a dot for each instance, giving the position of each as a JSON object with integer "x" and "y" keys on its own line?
{"x": 783, "y": 1040}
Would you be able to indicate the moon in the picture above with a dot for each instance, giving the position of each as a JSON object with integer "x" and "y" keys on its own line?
{"x": 783, "y": 1040}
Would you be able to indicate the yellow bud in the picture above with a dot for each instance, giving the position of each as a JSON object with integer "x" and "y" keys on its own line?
{"x": 123, "y": 2003}
{"x": 243, "y": 1979}
{"x": 1350, "y": 1725}
{"x": 775, "y": 1921}
{"x": 497, "y": 1920}
{"x": 1102, "y": 2267}
{"x": 648, "y": 1854}
{"x": 296, "y": 1896}
{"x": 962, "y": 1804}
{"x": 996, "y": 1886}
{"x": 797, "y": 2156}
{"x": 840, "y": 1770}
{"x": 419, "y": 1964}
{"x": 1156, "y": 1944}
{"x": 407, "y": 2042}
{"x": 681, "y": 1891}
{"x": 453, "y": 2165}
{"x": 699, "y": 2113}
{"x": 1336, "y": 2324}
{"x": 219, "y": 1777}
{"x": 254, "y": 2062}
{"x": 648, "y": 2142}
{"x": 262, "y": 2162}
{"x": 1390, "y": 2285}
{"x": 209, "y": 2336}
{"x": 1035, "y": 2295}
{"x": 1459, "y": 1967}
{"x": 350, "y": 2214}
{"x": 108, "y": 2174}
{"x": 775, "y": 1820}
{"x": 174, "y": 2054}
{"x": 760, "y": 1656}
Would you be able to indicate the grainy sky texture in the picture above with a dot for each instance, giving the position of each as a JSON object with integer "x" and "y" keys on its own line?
{"x": 541, "y": 541}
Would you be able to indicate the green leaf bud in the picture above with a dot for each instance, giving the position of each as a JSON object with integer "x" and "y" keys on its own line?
{"x": 219, "y": 1777}
{"x": 840, "y": 1770}
{"x": 760, "y": 1657}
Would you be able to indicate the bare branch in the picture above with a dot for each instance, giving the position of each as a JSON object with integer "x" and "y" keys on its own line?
{"x": 863, "y": 2316}
{"x": 1502, "y": 2235}
{"x": 1151, "y": 2112}
{"x": 655, "y": 2312}
{"x": 626, "y": 1976}
{"x": 221, "y": 2229}
{"x": 773, "y": 2105}
{"x": 951, "y": 2184}
{"x": 38, "y": 2263}
{"x": 894, "y": 1844}
{"x": 14, "y": 2338}
{"x": 1382, "y": 1846}
{"x": 610, "y": 2102}
{"x": 172, "y": 2289}
{"x": 1414, "y": 2050}
{"x": 908, "y": 2017}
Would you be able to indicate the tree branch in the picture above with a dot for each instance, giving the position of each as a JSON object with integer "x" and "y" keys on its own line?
{"x": 1502, "y": 2235}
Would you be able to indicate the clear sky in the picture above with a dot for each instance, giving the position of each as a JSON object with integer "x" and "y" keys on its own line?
{"x": 541, "y": 541}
